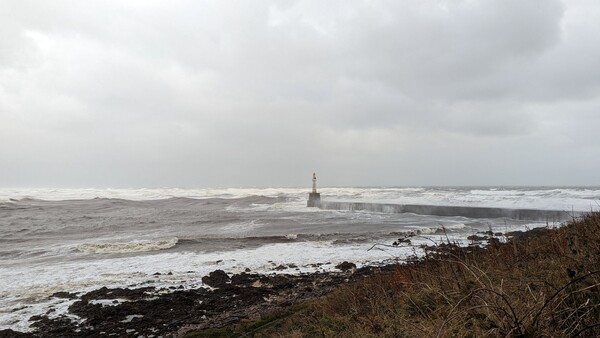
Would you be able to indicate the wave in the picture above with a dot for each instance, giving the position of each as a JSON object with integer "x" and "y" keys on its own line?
{"x": 258, "y": 239}
{"x": 107, "y": 204}
{"x": 126, "y": 247}
{"x": 144, "y": 194}
{"x": 557, "y": 198}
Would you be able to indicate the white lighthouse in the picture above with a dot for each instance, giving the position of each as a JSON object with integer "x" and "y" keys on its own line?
{"x": 314, "y": 197}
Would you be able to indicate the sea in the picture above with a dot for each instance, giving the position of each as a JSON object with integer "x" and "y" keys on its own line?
{"x": 78, "y": 240}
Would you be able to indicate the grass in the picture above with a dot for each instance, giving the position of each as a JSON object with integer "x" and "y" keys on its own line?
{"x": 544, "y": 283}
{"x": 247, "y": 328}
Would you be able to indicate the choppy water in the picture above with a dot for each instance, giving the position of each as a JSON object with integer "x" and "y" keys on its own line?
{"x": 82, "y": 239}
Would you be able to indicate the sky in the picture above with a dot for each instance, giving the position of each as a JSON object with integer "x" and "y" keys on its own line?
{"x": 196, "y": 94}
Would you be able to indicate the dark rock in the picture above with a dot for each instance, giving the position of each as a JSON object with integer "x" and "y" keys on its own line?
{"x": 244, "y": 279}
{"x": 401, "y": 241}
{"x": 528, "y": 234}
{"x": 493, "y": 240}
{"x": 66, "y": 295}
{"x": 280, "y": 282}
{"x": 153, "y": 312}
{"x": 216, "y": 279}
{"x": 477, "y": 238}
{"x": 18, "y": 308}
{"x": 280, "y": 267}
{"x": 345, "y": 266}
{"x": 106, "y": 293}
{"x": 8, "y": 333}
{"x": 55, "y": 327}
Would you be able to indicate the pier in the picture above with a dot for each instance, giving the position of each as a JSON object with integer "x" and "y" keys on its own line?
{"x": 550, "y": 216}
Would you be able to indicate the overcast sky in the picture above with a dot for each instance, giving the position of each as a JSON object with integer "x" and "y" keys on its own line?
{"x": 263, "y": 93}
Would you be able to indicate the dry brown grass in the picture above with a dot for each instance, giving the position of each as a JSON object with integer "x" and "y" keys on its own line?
{"x": 541, "y": 284}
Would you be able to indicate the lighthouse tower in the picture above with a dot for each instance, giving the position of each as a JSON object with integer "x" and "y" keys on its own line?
{"x": 314, "y": 197}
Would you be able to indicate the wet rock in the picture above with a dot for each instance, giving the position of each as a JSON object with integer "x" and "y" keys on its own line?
{"x": 8, "y": 333}
{"x": 493, "y": 240}
{"x": 280, "y": 282}
{"x": 216, "y": 279}
{"x": 528, "y": 234}
{"x": 106, "y": 293}
{"x": 55, "y": 327}
{"x": 18, "y": 308}
{"x": 401, "y": 241}
{"x": 477, "y": 238}
{"x": 63, "y": 294}
{"x": 345, "y": 266}
{"x": 166, "y": 312}
{"x": 244, "y": 279}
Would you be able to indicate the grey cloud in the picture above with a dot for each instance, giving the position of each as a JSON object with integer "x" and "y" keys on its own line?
{"x": 242, "y": 93}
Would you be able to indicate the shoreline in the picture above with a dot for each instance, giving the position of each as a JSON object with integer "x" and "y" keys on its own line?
{"x": 224, "y": 299}
{"x": 155, "y": 312}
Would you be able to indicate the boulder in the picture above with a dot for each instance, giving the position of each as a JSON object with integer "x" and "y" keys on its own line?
{"x": 216, "y": 279}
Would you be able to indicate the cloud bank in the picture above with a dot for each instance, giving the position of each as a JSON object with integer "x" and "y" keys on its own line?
{"x": 200, "y": 94}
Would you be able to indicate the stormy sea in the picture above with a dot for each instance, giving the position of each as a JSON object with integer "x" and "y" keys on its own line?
{"x": 78, "y": 240}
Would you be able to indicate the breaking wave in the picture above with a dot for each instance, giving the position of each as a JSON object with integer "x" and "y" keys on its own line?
{"x": 125, "y": 247}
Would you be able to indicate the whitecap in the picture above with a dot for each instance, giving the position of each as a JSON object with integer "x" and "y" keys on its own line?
{"x": 125, "y": 247}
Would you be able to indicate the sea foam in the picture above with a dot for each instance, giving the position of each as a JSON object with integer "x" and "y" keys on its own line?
{"x": 125, "y": 247}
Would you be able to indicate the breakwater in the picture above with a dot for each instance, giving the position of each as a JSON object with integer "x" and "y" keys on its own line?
{"x": 464, "y": 211}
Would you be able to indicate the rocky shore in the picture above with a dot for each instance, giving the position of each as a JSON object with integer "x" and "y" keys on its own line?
{"x": 156, "y": 312}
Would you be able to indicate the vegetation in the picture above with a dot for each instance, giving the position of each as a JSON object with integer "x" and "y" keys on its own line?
{"x": 542, "y": 283}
